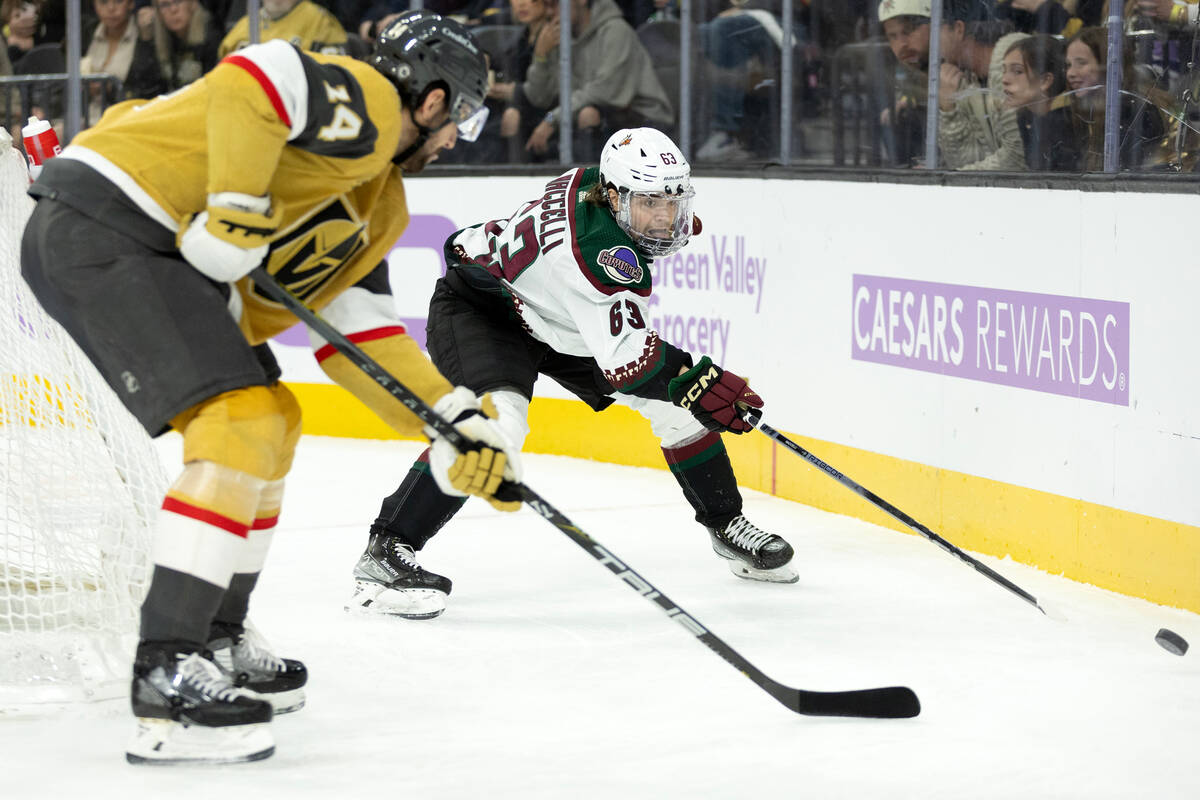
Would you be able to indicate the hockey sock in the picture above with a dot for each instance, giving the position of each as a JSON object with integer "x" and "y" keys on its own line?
{"x": 417, "y": 509}
{"x": 706, "y": 477}
{"x": 236, "y": 602}
{"x": 178, "y": 607}
{"x": 200, "y": 535}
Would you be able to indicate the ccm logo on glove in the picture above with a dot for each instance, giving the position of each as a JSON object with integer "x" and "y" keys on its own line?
{"x": 714, "y": 396}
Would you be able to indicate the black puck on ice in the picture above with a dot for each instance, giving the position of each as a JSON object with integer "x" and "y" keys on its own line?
{"x": 1171, "y": 641}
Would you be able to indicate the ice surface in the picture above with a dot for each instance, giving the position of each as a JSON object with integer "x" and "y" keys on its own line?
{"x": 548, "y": 677}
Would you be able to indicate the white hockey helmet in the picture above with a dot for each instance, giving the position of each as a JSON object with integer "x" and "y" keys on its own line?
{"x": 654, "y": 186}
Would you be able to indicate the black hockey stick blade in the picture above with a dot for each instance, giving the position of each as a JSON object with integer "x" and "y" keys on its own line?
{"x": 890, "y": 703}
{"x": 893, "y": 702}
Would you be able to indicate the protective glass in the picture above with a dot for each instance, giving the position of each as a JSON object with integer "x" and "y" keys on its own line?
{"x": 659, "y": 223}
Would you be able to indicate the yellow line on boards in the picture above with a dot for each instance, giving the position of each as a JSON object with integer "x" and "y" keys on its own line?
{"x": 1134, "y": 554}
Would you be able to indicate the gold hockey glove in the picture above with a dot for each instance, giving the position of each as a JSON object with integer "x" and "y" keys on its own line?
{"x": 478, "y": 471}
{"x": 231, "y": 236}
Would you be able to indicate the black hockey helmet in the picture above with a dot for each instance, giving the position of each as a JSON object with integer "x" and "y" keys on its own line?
{"x": 421, "y": 51}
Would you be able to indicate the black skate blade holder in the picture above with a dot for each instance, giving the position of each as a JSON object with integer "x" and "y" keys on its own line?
{"x": 892, "y": 702}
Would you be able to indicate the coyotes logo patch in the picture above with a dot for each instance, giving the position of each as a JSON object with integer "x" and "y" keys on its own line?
{"x": 620, "y": 264}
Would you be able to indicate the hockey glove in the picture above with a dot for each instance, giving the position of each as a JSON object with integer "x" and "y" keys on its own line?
{"x": 714, "y": 396}
{"x": 479, "y": 471}
{"x": 231, "y": 236}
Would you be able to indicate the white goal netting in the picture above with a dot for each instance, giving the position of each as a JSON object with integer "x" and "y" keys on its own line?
{"x": 80, "y": 483}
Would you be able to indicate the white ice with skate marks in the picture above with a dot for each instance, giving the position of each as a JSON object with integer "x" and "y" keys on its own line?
{"x": 547, "y": 677}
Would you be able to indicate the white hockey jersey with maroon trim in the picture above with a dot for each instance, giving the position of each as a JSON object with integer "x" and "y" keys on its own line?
{"x": 577, "y": 281}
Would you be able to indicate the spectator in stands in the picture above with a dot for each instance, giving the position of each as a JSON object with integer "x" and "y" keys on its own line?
{"x": 22, "y": 27}
{"x": 301, "y": 22}
{"x": 613, "y": 84}
{"x": 664, "y": 10}
{"x": 487, "y": 12}
{"x": 1089, "y": 12}
{"x": 1038, "y": 16}
{"x": 1143, "y": 129}
{"x": 975, "y": 131}
{"x": 742, "y": 42}
{"x": 906, "y": 28}
{"x": 1033, "y": 82}
{"x": 380, "y": 13}
{"x": 1177, "y": 15}
{"x": 519, "y": 115}
{"x": 116, "y": 45}
{"x": 186, "y": 38}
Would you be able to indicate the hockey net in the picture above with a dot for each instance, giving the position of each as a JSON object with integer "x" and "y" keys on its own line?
{"x": 80, "y": 482}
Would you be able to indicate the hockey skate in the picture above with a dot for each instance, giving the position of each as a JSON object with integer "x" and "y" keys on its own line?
{"x": 188, "y": 712}
{"x": 388, "y": 580}
{"x": 246, "y": 659}
{"x": 753, "y": 553}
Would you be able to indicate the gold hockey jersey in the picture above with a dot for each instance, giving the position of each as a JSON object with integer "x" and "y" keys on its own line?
{"x": 315, "y": 132}
{"x": 308, "y": 26}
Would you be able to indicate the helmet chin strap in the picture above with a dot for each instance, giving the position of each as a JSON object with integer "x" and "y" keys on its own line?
{"x": 423, "y": 134}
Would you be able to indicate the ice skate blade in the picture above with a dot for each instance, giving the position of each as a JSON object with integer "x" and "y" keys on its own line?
{"x": 784, "y": 574}
{"x": 375, "y": 598}
{"x": 165, "y": 742}
{"x": 284, "y": 702}
{"x": 729, "y": 555}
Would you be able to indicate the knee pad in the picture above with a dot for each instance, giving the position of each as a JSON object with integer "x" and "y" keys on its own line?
{"x": 252, "y": 430}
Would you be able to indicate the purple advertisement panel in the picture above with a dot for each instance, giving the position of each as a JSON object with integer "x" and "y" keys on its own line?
{"x": 427, "y": 231}
{"x": 1072, "y": 346}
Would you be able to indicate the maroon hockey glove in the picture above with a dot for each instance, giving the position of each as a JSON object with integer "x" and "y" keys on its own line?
{"x": 714, "y": 396}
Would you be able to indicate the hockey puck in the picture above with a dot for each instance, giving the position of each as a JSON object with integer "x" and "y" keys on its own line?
{"x": 1171, "y": 641}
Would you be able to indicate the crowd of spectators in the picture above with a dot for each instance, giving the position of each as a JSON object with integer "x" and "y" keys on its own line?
{"x": 1022, "y": 82}
{"x": 1041, "y": 103}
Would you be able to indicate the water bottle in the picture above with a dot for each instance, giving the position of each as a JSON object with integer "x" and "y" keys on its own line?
{"x": 41, "y": 143}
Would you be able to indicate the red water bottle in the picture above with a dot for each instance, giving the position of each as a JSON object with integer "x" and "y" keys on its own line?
{"x": 41, "y": 143}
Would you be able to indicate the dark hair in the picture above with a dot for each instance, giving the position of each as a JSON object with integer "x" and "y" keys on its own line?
{"x": 1096, "y": 39}
{"x": 597, "y": 195}
{"x": 988, "y": 31}
{"x": 1044, "y": 55}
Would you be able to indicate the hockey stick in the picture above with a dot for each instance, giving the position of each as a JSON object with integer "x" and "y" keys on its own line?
{"x": 754, "y": 417}
{"x": 888, "y": 703}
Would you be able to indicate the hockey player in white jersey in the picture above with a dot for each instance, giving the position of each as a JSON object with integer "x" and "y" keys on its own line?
{"x": 560, "y": 289}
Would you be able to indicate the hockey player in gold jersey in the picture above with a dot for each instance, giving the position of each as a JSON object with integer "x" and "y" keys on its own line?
{"x": 141, "y": 243}
{"x": 301, "y": 22}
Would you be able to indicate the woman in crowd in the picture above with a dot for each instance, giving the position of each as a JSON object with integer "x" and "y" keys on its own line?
{"x": 186, "y": 38}
{"x": 519, "y": 114}
{"x": 22, "y": 27}
{"x": 1143, "y": 129}
{"x": 116, "y": 45}
{"x": 1033, "y": 82}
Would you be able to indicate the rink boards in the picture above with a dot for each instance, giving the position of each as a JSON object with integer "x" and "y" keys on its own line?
{"x": 1013, "y": 368}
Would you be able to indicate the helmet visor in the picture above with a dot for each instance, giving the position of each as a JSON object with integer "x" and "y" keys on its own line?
{"x": 660, "y": 223}
{"x": 469, "y": 119}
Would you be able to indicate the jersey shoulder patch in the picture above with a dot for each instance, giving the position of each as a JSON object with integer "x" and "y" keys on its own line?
{"x": 338, "y": 123}
{"x": 605, "y": 253}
